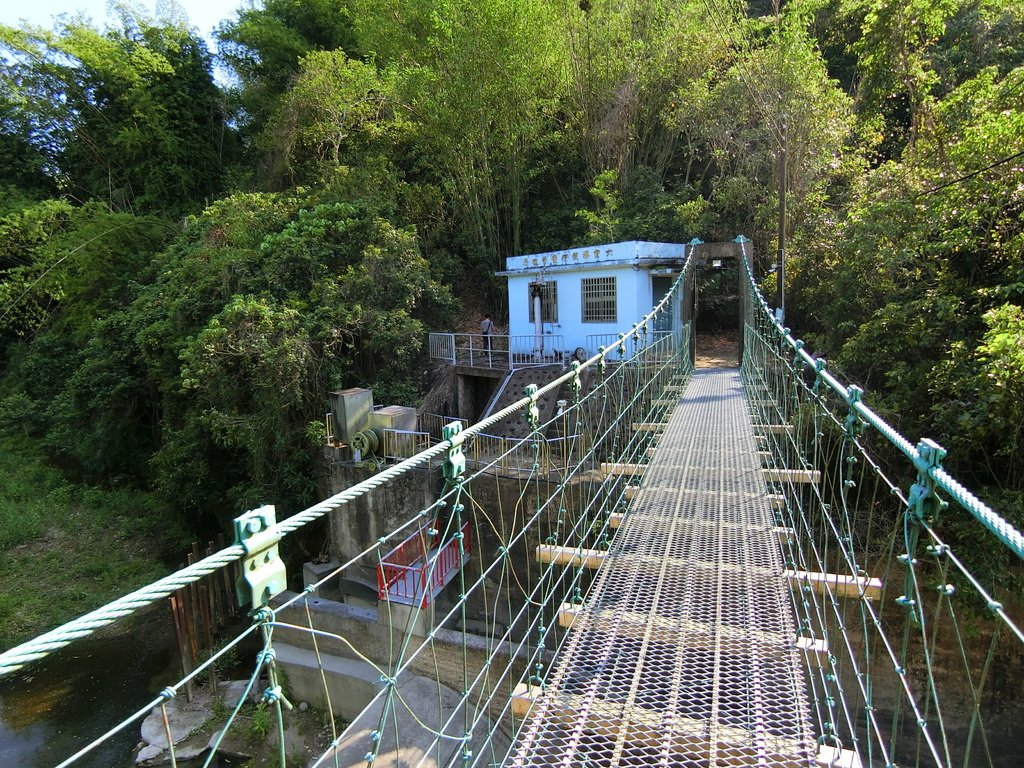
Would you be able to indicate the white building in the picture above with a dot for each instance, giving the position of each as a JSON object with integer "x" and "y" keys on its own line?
{"x": 588, "y": 295}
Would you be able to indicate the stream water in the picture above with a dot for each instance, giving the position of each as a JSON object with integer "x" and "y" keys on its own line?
{"x": 58, "y": 705}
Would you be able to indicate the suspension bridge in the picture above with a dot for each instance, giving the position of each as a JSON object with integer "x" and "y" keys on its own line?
{"x": 716, "y": 567}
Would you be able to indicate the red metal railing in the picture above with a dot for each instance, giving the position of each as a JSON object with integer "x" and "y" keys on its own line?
{"x": 417, "y": 567}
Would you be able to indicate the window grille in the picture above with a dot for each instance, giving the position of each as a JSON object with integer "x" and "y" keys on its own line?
{"x": 548, "y": 302}
{"x": 599, "y": 301}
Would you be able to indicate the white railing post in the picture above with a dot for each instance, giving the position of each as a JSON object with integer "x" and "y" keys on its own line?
{"x": 487, "y": 350}
{"x": 442, "y": 347}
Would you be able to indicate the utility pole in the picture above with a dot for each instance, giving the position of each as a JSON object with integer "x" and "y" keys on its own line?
{"x": 780, "y": 259}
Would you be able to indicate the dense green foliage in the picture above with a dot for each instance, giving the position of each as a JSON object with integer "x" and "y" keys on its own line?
{"x": 129, "y": 116}
{"x": 187, "y": 267}
{"x": 98, "y": 540}
{"x": 916, "y": 290}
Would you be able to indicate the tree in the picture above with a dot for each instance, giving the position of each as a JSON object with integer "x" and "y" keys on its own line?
{"x": 479, "y": 81}
{"x": 25, "y": 168}
{"x": 70, "y": 263}
{"x": 627, "y": 64}
{"x": 919, "y": 301}
{"x": 66, "y": 275}
{"x": 247, "y": 375}
{"x": 262, "y": 305}
{"x": 900, "y": 58}
{"x": 334, "y": 104}
{"x": 265, "y": 43}
{"x": 129, "y": 116}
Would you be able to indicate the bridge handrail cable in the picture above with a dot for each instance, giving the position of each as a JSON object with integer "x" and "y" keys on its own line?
{"x": 1003, "y": 529}
{"x": 60, "y": 637}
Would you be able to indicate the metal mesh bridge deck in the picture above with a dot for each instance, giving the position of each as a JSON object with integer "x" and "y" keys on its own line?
{"x": 685, "y": 652}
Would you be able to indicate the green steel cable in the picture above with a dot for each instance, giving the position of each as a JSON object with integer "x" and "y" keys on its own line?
{"x": 998, "y": 525}
{"x": 616, "y": 401}
{"x": 323, "y": 675}
{"x": 167, "y": 693}
{"x": 913, "y": 593}
{"x": 43, "y": 645}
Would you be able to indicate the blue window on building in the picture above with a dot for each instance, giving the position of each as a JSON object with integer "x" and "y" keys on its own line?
{"x": 599, "y": 300}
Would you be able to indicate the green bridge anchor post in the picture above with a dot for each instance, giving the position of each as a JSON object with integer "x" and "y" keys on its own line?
{"x": 263, "y": 577}
{"x": 923, "y": 507}
{"x": 532, "y": 417}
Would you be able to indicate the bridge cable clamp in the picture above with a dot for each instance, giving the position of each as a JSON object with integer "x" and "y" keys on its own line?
{"x": 455, "y": 460}
{"x": 820, "y": 364}
{"x": 533, "y": 410}
{"x": 854, "y": 424}
{"x": 576, "y": 384}
{"x": 263, "y": 570}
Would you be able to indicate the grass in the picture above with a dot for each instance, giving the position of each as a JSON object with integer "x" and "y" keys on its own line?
{"x": 65, "y": 548}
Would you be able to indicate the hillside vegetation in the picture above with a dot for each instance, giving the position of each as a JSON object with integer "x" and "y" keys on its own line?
{"x": 186, "y": 267}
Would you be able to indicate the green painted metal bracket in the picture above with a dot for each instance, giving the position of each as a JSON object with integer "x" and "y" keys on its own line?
{"x": 455, "y": 461}
{"x": 263, "y": 571}
{"x": 576, "y": 384}
{"x": 923, "y": 505}
{"x": 533, "y": 411}
{"x": 854, "y": 425}
{"x": 797, "y": 360}
{"x": 820, "y": 364}
{"x": 922, "y": 502}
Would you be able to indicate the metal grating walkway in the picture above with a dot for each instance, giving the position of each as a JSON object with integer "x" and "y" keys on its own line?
{"x": 685, "y": 653}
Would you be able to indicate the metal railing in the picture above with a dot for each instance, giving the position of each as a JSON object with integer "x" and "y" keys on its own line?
{"x": 861, "y": 505}
{"x": 610, "y": 341}
{"x": 507, "y": 455}
{"x": 433, "y": 423}
{"x": 501, "y": 453}
{"x": 510, "y": 454}
{"x": 404, "y": 444}
{"x": 497, "y": 351}
{"x": 619, "y": 349}
{"x": 411, "y": 572}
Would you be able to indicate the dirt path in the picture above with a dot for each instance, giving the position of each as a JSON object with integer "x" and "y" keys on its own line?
{"x": 717, "y": 351}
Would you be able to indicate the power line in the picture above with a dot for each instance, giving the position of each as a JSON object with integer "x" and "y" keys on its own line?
{"x": 970, "y": 175}
{"x": 742, "y": 47}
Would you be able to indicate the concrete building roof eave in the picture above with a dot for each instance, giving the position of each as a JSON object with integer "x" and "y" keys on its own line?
{"x": 641, "y": 263}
